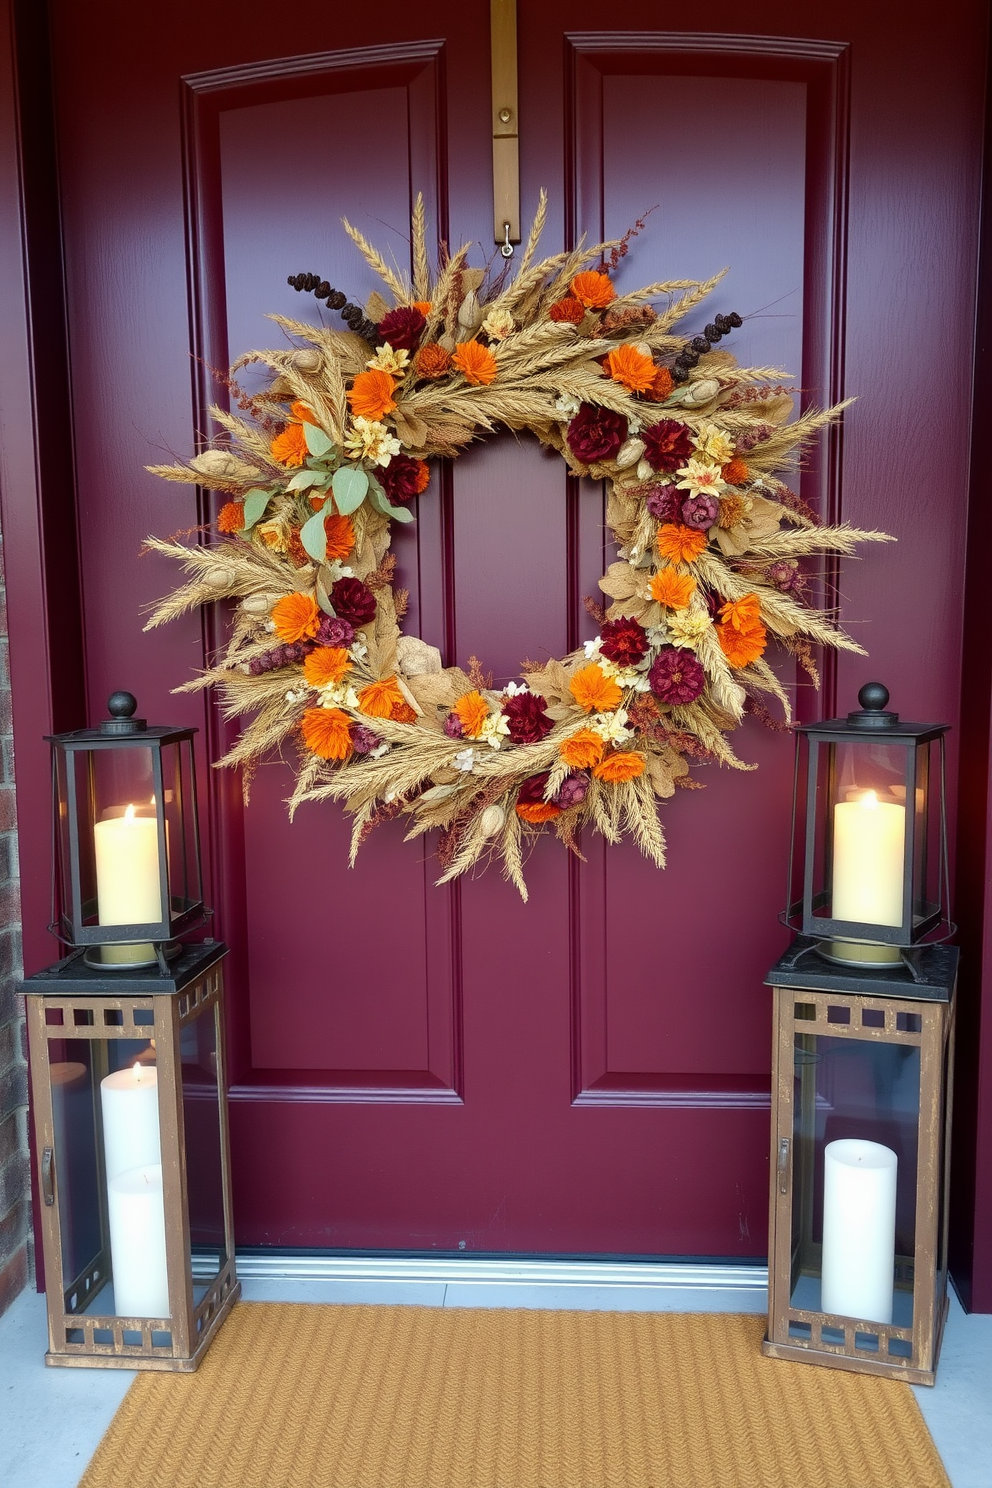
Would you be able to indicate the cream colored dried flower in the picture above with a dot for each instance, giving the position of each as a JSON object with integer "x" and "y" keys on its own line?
{"x": 371, "y": 440}
{"x": 687, "y": 628}
{"x": 701, "y": 479}
{"x": 712, "y": 444}
{"x": 499, "y": 324}
{"x": 388, "y": 360}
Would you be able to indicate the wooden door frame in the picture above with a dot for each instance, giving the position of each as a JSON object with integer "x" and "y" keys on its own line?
{"x": 48, "y": 679}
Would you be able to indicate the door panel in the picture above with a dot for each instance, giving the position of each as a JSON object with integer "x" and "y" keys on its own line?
{"x": 440, "y": 1068}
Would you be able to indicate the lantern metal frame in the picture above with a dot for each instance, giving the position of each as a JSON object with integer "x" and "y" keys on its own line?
{"x": 123, "y": 731}
{"x": 888, "y": 1005}
{"x": 921, "y": 922}
{"x": 73, "y": 1001}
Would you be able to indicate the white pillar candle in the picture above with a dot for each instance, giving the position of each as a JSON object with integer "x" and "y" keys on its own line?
{"x": 869, "y": 840}
{"x": 859, "y": 1230}
{"x": 136, "y": 1213}
{"x": 128, "y": 888}
{"x": 129, "y": 1102}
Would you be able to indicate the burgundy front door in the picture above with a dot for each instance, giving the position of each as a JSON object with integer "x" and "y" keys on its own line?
{"x": 424, "y": 1068}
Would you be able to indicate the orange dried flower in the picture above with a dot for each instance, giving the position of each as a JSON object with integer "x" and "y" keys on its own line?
{"x": 327, "y": 732}
{"x": 231, "y": 517}
{"x": 631, "y": 368}
{"x": 290, "y": 447}
{"x": 326, "y": 664}
{"x": 301, "y": 412}
{"x": 679, "y": 544}
{"x": 382, "y": 699}
{"x": 340, "y": 534}
{"x": 593, "y": 289}
{"x": 476, "y": 362}
{"x": 741, "y": 647}
{"x": 736, "y": 472}
{"x": 537, "y": 811}
{"x": 432, "y": 361}
{"x": 594, "y": 691}
{"x": 423, "y": 478}
{"x": 662, "y": 386}
{"x": 620, "y": 766}
{"x": 583, "y": 750}
{"x": 403, "y": 713}
{"x": 296, "y": 617}
{"x": 371, "y": 394}
{"x": 743, "y": 613}
{"x": 424, "y": 306}
{"x": 671, "y": 589}
{"x": 568, "y": 309}
{"x": 473, "y": 710}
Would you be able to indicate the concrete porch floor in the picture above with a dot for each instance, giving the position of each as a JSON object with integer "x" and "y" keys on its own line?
{"x": 52, "y": 1419}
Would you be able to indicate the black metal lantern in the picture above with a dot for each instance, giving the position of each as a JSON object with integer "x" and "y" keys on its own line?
{"x": 868, "y": 877}
{"x": 127, "y": 849}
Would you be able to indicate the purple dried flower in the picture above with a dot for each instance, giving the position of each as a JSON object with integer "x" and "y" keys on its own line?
{"x": 700, "y": 511}
{"x": 333, "y": 631}
{"x": 572, "y": 790}
{"x": 785, "y": 575}
{"x": 664, "y": 503}
{"x": 364, "y": 739}
{"x": 453, "y": 726}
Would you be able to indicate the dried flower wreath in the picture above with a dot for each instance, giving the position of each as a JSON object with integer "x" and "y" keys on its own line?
{"x": 710, "y": 547}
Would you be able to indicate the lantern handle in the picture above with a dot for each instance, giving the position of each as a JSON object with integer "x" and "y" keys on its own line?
{"x": 48, "y": 1176}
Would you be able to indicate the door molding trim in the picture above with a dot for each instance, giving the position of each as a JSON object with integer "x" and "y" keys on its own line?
{"x": 290, "y": 1265}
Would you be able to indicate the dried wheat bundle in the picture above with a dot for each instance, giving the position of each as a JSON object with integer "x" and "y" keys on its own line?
{"x": 710, "y": 543}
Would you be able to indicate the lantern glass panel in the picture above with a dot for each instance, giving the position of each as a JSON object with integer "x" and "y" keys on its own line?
{"x": 860, "y": 831}
{"x": 927, "y": 836}
{"x": 179, "y": 779}
{"x": 204, "y": 1171}
{"x": 855, "y": 1091}
{"x": 117, "y": 828}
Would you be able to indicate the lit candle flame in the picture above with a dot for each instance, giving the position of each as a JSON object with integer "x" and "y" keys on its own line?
{"x": 129, "y": 813}
{"x": 136, "y": 1069}
{"x": 869, "y": 799}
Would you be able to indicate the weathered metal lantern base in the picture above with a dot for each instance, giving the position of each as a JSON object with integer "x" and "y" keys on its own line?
{"x": 909, "y": 1013}
{"x": 78, "y": 1013}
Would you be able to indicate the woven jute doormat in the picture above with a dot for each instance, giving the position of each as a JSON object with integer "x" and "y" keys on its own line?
{"x": 304, "y": 1396}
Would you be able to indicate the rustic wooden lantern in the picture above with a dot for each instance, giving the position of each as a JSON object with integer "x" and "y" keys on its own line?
{"x": 131, "y": 1142}
{"x": 127, "y": 845}
{"x": 861, "y": 1105}
{"x": 868, "y": 873}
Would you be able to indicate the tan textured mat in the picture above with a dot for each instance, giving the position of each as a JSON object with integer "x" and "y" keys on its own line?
{"x": 304, "y": 1396}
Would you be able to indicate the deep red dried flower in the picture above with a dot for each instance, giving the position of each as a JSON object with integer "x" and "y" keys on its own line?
{"x": 353, "y": 601}
{"x": 402, "y": 328}
{"x": 531, "y": 805}
{"x": 676, "y": 676}
{"x": 667, "y": 444}
{"x": 404, "y": 478}
{"x": 529, "y": 723}
{"x": 596, "y": 433}
{"x": 625, "y": 641}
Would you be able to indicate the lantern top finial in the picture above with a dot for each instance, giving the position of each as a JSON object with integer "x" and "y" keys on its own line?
{"x": 872, "y": 714}
{"x": 121, "y": 707}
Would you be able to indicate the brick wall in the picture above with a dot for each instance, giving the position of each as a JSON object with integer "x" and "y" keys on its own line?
{"x": 15, "y": 1203}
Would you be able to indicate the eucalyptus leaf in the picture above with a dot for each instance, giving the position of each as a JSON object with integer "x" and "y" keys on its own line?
{"x": 314, "y": 538}
{"x": 322, "y": 592}
{"x": 317, "y": 441}
{"x": 398, "y": 513}
{"x": 303, "y": 480}
{"x": 349, "y": 486}
{"x": 255, "y": 503}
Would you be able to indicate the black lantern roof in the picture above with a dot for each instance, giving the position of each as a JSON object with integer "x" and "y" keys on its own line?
{"x": 119, "y": 727}
{"x": 873, "y": 720}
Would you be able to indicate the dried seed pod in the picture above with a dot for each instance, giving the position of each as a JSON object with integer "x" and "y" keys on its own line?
{"x": 218, "y": 577}
{"x": 629, "y": 453}
{"x": 712, "y": 332}
{"x": 218, "y": 464}
{"x": 470, "y": 312}
{"x": 259, "y": 604}
{"x": 645, "y": 470}
{"x": 492, "y": 821}
{"x": 308, "y": 360}
{"x": 336, "y": 300}
{"x": 703, "y": 391}
{"x": 733, "y": 319}
{"x": 700, "y": 344}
